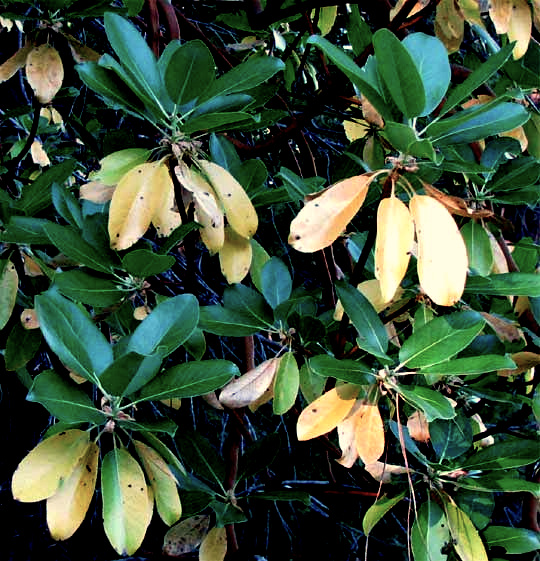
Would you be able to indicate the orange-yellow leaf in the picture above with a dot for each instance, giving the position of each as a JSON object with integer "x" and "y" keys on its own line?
{"x": 347, "y": 438}
{"x": 186, "y": 536}
{"x": 449, "y": 25}
{"x": 418, "y": 427}
{"x": 45, "y": 72}
{"x": 29, "y": 319}
{"x": 15, "y": 62}
{"x": 31, "y": 268}
{"x": 40, "y": 473}
{"x": 500, "y": 12}
{"x": 326, "y": 215}
{"x": 214, "y": 545}
{"x": 520, "y": 27}
{"x": 442, "y": 255}
{"x": 166, "y": 217}
{"x": 416, "y": 8}
{"x": 39, "y": 156}
{"x": 355, "y": 130}
{"x": 235, "y": 256}
{"x": 369, "y": 433}
{"x": 524, "y": 360}
{"x": 395, "y": 238}
{"x": 67, "y": 508}
{"x": 133, "y": 205}
{"x": 326, "y": 412}
{"x": 163, "y": 483}
{"x": 80, "y": 52}
{"x": 239, "y": 209}
{"x": 95, "y": 192}
{"x": 251, "y": 386}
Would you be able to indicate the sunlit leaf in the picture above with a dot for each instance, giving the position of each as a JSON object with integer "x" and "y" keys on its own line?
{"x": 286, "y": 384}
{"x": 39, "y": 156}
{"x": 369, "y": 433}
{"x": 45, "y": 72}
{"x": 235, "y": 256}
{"x": 519, "y": 27}
{"x": 429, "y": 534}
{"x": 115, "y": 165}
{"x": 378, "y": 509}
{"x": 466, "y": 539}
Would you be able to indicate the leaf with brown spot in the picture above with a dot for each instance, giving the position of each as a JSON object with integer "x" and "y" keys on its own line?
{"x": 506, "y": 330}
{"x": 235, "y": 256}
{"x": 166, "y": 217}
{"x": 45, "y": 72}
{"x": 326, "y": 215}
{"x": 214, "y": 545}
{"x": 186, "y": 536}
{"x": 15, "y": 62}
{"x": 326, "y": 412}
{"x": 29, "y": 319}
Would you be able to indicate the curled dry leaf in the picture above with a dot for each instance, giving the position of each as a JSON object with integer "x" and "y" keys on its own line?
{"x": 45, "y": 72}
{"x": 395, "y": 238}
{"x": 29, "y": 319}
{"x": 251, "y": 386}
{"x": 442, "y": 255}
{"x": 31, "y": 268}
{"x": 455, "y": 205}
{"x": 15, "y": 62}
{"x": 326, "y": 412}
{"x": 506, "y": 330}
{"x": 212, "y": 400}
{"x": 418, "y": 427}
{"x": 346, "y": 430}
{"x": 80, "y": 52}
{"x": 524, "y": 360}
{"x": 39, "y": 156}
{"x": 186, "y": 536}
{"x": 383, "y": 472}
{"x": 326, "y": 215}
{"x": 235, "y": 256}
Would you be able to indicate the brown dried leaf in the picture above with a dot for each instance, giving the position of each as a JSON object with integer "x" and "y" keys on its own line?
{"x": 80, "y": 52}
{"x": 418, "y": 427}
{"x": 29, "y": 319}
{"x": 15, "y": 62}
{"x": 449, "y": 25}
{"x": 31, "y": 268}
{"x": 39, "y": 156}
{"x": 524, "y": 360}
{"x": 455, "y": 205}
{"x": 45, "y": 72}
{"x": 506, "y": 330}
{"x": 186, "y": 536}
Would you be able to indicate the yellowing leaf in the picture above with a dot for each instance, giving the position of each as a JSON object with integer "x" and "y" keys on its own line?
{"x": 500, "y": 264}
{"x": 524, "y": 361}
{"x": 239, "y": 209}
{"x": 133, "y": 205}
{"x": 519, "y": 27}
{"x": 442, "y": 255}
{"x": 519, "y": 134}
{"x": 327, "y": 18}
{"x": 125, "y": 501}
{"x": 418, "y": 427}
{"x": 251, "y": 386}
{"x": 369, "y": 433}
{"x": 326, "y": 412}
{"x": 39, "y": 156}
{"x": 235, "y": 256}
{"x": 214, "y": 545}
{"x": 95, "y": 192}
{"x": 465, "y": 537}
{"x": 449, "y": 25}
{"x": 9, "y": 284}
{"x": 166, "y": 217}
{"x": 383, "y": 472}
{"x": 355, "y": 130}
{"x": 115, "y": 165}
{"x": 14, "y": 63}
{"x": 40, "y": 473}
{"x": 31, "y": 268}
{"x": 80, "y": 52}
{"x": 163, "y": 483}
{"x": 416, "y": 8}
{"x": 325, "y": 217}
{"x": 45, "y": 72}
{"x": 67, "y": 508}
{"x": 186, "y": 536}
{"x": 395, "y": 238}
{"x": 346, "y": 430}
{"x": 500, "y": 12}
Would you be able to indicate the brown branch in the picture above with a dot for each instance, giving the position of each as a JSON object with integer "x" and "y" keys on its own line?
{"x": 173, "y": 27}
{"x": 153, "y": 27}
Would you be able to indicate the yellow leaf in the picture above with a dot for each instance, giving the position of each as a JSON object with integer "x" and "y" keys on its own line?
{"x": 172, "y": 402}
{"x": 208, "y": 212}
{"x": 166, "y": 217}
{"x": 500, "y": 12}
{"x": 67, "y": 508}
{"x": 519, "y": 27}
{"x": 133, "y": 205}
{"x": 39, "y": 156}
{"x": 45, "y": 72}
{"x": 29, "y": 319}
{"x": 214, "y": 545}
{"x": 395, "y": 238}
{"x": 95, "y": 192}
{"x": 442, "y": 255}
{"x": 369, "y": 433}
{"x": 536, "y": 13}
{"x": 327, "y": 18}
{"x": 163, "y": 483}
{"x": 14, "y": 63}
{"x": 141, "y": 312}
{"x": 235, "y": 256}
{"x": 355, "y": 130}
{"x": 418, "y": 427}
{"x": 347, "y": 438}
{"x": 326, "y": 412}
{"x": 40, "y": 473}
{"x": 9, "y": 285}
{"x": 186, "y": 536}
{"x": 325, "y": 217}
{"x": 471, "y": 11}
{"x": 449, "y": 25}
{"x": 239, "y": 209}
{"x": 251, "y": 386}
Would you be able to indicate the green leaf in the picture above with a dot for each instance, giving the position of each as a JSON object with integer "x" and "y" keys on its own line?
{"x": 478, "y": 248}
{"x": 429, "y": 534}
{"x": 21, "y": 346}
{"x": 276, "y": 282}
{"x": 378, "y": 509}
{"x": 215, "y": 121}
{"x": 513, "y": 540}
{"x": 509, "y": 454}
{"x": 432, "y": 403}
{"x": 470, "y": 365}
{"x": 435, "y": 342}
{"x": 479, "y": 507}
{"x": 144, "y": 263}
{"x": 311, "y": 384}
{"x": 198, "y": 453}
{"x": 72, "y": 335}
{"x": 286, "y": 384}
{"x": 195, "y": 344}
{"x": 347, "y": 370}
{"x": 25, "y": 230}
{"x": 400, "y": 73}
{"x": 477, "y": 78}
{"x": 130, "y": 372}
{"x": 356, "y": 75}
{"x": 516, "y": 174}
{"x": 66, "y": 205}
{"x": 259, "y": 258}
{"x": 168, "y": 326}
{"x": 9, "y": 285}
{"x": 431, "y": 59}
{"x": 499, "y": 482}
{"x": 177, "y": 236}
{"x": 85, "y": 288}
{"x": 221, "y": 104}
{"x": 70, "y": 243}
{"x": 190, "y": 379}
{"x": 477, "y": 123}
{"x": 505, "y": 284}
{"x": 249, "y": 303}
{"x": 230, "y": 323}
{"x": 188, "y": 70}
{"x": 372, "y": 336}
{"x": 358, "y": 31}
{"x": 227, "y": 513}
{"x": 467, "y": 542}
{"x": 451, "y": 438}
{"x": 64, "y": 400}
{"x": 403, "y": 138}
{"x": 259, "y": 455}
